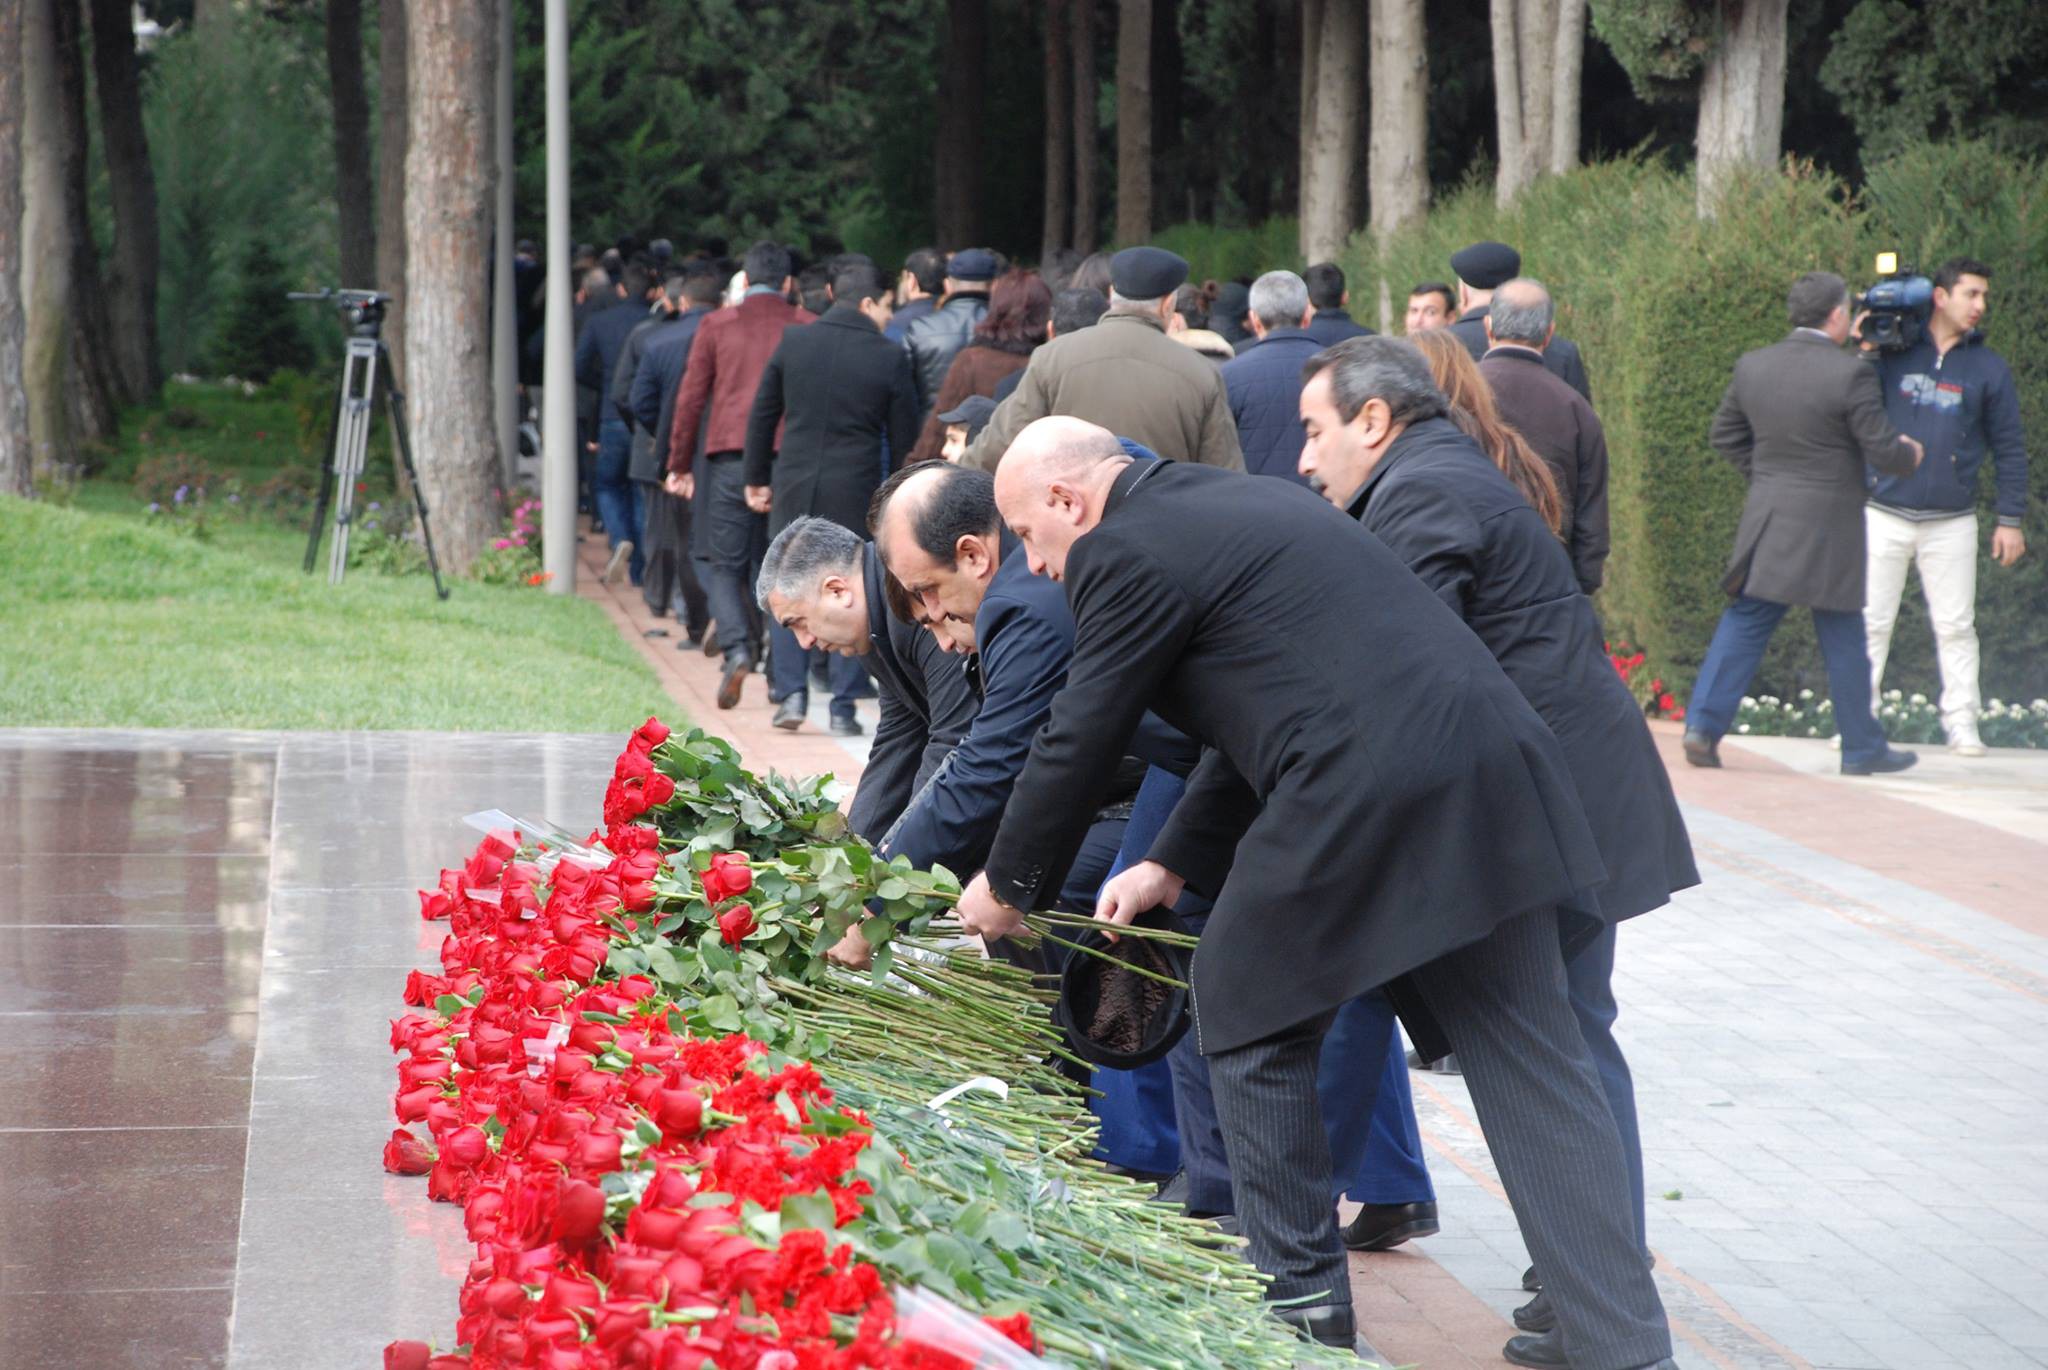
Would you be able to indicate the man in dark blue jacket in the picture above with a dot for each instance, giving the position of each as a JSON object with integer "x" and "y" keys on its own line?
{"x": 597, "y": 356}
{"x": 1332, "y": 322}
{"x": 652, "y": 399}
{"x": 1958, "y": 398}
{"x": 1264, "y": 379}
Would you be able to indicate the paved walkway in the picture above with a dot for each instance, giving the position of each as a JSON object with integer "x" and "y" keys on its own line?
{"x": 1838, "y": 1041}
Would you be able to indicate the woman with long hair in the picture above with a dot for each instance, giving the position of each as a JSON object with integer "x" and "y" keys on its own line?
{"x": 1019, "y": 308}
{"x": 1473, "y": 410}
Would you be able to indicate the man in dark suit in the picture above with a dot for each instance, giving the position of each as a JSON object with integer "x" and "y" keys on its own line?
{"x": 1799, "y": 421}
{"x": 1557, "y": 421}
{"x": 1332, "y": 323}
{"x": 1480, "y": 269}
{"x": 727, "y": 358}
{"x": 1380, "y": 446}
{"x": 837, "y": 399}
{"x": 670, "y": 568}
{"x": 825, "y": 584}
{"x": 1264, "y": 379}
{"x": 1335, "y": 815}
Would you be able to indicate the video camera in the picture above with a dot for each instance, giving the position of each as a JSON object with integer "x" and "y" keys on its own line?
{"x": 362, "y": 310}
{"x": 1898, "y": 306}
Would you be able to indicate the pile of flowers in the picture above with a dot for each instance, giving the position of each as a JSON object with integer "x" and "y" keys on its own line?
{"x": 620, "y": 1071}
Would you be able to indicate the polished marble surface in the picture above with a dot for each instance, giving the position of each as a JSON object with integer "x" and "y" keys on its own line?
{"x": 202, "y": 938}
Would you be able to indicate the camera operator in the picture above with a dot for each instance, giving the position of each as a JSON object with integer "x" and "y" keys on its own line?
{"x": 1957, "y": 397}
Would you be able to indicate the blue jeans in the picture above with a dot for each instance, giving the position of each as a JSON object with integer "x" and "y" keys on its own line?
{"x": 1361, "y": 1077}
{"x": 618, "y": 496}
{"x": 789, "y": 672}
{"x": 1738, "y": 647}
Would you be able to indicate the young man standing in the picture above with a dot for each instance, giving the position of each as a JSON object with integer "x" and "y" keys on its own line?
{"x": 1958, "y": 398}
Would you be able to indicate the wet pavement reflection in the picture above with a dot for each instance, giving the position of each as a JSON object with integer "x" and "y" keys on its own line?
{"x": 202, "y": 937}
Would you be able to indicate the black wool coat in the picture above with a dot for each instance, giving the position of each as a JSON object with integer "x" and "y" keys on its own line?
{"x": 1374, "y": 792}
{"x": 839, "y": 390}
{"x": 1448, "y": 512}
{"x": 927, "y": 707}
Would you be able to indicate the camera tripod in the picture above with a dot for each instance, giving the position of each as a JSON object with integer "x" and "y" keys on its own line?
{"x": 365, "y": 372}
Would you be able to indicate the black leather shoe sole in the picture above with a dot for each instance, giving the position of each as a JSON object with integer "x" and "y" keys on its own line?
{"x": 789, "y": 715}
{"x": 1530, "y": 1280}
{"x": 1383, "y": 1229}
{"x": 847, "y": 727}
{"x": 731, "y": 683}
{"x": 1324, "y": 1325}
{"x": 1702, "y": 751}
{"x": 1889, "y": 764}
{"x": 1542, "y": 1351}
{"x": 1536, "y": 1315}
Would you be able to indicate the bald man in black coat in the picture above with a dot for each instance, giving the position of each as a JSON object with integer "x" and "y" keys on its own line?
{"x": 1377, "y": 801}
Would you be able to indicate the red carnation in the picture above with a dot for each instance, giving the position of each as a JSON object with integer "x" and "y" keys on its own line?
{"x": 735, "y": 923}
{"x": 406, "y": 1154}
{"x": 1017, "y": 1327}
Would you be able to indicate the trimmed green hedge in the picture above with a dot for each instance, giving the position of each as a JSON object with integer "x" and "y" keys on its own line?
{"x": 1662, "y": 305}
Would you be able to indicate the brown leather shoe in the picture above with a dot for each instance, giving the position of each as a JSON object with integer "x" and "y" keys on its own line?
{"x": 1703, "y": 751}
{"x": 732, "y": 682}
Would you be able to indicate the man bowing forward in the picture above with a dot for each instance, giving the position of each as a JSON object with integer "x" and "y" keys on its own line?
{"x": 1390, "y": 807}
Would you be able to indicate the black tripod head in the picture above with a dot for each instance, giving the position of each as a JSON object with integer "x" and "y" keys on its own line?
{"x": 362, "y": 310}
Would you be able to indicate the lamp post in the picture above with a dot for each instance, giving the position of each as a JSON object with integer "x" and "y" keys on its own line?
{"x": 558, "y": 399}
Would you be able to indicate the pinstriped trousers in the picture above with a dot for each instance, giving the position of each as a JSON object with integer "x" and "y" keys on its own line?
{"x": 1505, "y": 1005}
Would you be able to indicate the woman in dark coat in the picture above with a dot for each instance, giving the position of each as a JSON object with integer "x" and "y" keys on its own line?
{"x": 1019, "y": 308}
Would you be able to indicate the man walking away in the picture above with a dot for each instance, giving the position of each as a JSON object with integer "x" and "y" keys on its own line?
{"x": 1480, "y": 269}
{"x": 1264, "y": 381}
{"x": 717, "y": 394}
{"x": 597, "y": 362}
{"x": 1332, "y": 323}
{"x": 937, "y": 338}
{"x": 917, "y": 290}
{"x": 833, "y": 402}
{"x": 1799, "y": 421}
{"x": 1555, "y": 419}
{"x": 1958, "y": 398}
{"x": 1073, "y": 309}
{"x": 670, "y": 570}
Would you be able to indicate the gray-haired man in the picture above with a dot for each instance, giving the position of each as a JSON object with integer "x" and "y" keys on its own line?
{"x": 1264, "y": 379}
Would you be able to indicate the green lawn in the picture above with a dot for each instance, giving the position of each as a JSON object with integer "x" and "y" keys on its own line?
{"x": 113, "y": 621}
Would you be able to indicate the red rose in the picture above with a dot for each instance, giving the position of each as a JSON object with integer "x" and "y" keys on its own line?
{"x": 735, "y": 923}
{"x": 728, "y": 875}
{"x": 407, "y": 1355}
{"x": 579, "y": 1212}
{"x": 680, "y": 1112}
{"x": 467, "y": 1146}
{"x": 406, "y": 1154}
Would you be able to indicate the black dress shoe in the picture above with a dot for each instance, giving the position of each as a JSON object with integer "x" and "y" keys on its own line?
{"x": 1892, "y": 760}
{"x": 789, "y": 714}
{"x": 1536, "y": 1315}
{"x": 1175, "y": 1191}
{"x": 1540, "y": 1350}
{"x": 1381, "y": 1227}
{"x": 1702, "y": 750}
{"x": 846, "y": 725}
{"x": 1531, "y": 1281}
{"x": 1326, "y": 1324}
{"x": 732, "y": 682}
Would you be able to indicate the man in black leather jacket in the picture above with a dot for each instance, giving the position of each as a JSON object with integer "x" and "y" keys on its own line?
{"x": 937, "y": 338}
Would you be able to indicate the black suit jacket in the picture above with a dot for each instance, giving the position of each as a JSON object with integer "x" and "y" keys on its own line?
{"x": 1561, "y": 358}
{"x": 927, "y": 707}
{"x": 1448, "y": 512}
{"x": 840, "y": 390}
{"x": 1374, "y": 792}
{"x": 1332, "y": 326}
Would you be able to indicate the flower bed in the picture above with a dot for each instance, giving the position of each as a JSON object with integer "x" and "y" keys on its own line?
{"x": 682, "y": 1139}
{"x": 1907, "y": 719}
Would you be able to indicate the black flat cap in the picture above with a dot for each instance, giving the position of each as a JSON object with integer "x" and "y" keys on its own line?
{"x": 972, "y": 264}
{"x": 1113, "y": 1017}
{"x": 972, "y": 411}
{"x": 1146, "y": 273}
{"x": 1485, "y": 265}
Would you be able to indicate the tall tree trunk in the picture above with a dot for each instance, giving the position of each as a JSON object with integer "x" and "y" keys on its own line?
{"x": 1087, "y": 129}
{"x": 1059, "y": 133}
{"x": 451, "y": 174}
{"x": 353, "y": 188}
{"x": 1311, "y": 43}
{"x": 17, "y": 462}
{"x": 1133, "y": 121}
{"x": 962, "y": 85}
{"x": 64, "y": 357}
{"x": 392, "y": 121}
{"x": 1524, "y": 53}
{"x": 1742, "y": 95}
{"x": 1567, "y": 66}
{"x": 1169, "y": 168}
{"x": 1329, "y": 188}
{"x": 1398, "y": 165}
{"x": 131, "y": 182}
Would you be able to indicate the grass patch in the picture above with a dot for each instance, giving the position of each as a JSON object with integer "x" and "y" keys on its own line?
{"x": 112, "y": 621}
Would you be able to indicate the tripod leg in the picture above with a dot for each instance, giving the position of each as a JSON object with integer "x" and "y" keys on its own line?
{"x": 394, "y": 400}
{"x": 326, "y": 494}
{"x": 357, "y": 412}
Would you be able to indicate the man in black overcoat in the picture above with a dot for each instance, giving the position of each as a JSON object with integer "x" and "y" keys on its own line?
{"x": 1380, "y": 447}
{"x": 834, "y": 401}
{"x": 826, "y": 585}
{"x": 1376, "y": 800}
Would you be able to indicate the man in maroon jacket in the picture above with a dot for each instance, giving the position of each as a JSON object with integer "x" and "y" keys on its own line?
{"x": 717, "y": 393}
